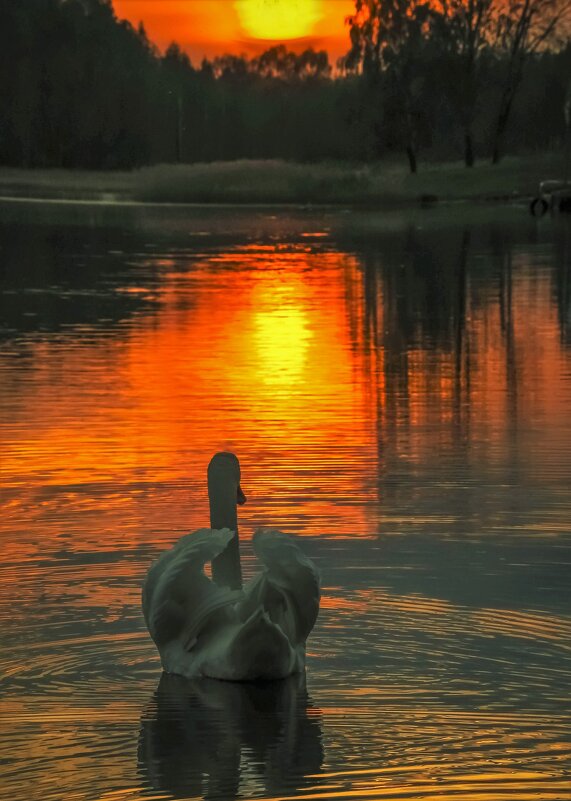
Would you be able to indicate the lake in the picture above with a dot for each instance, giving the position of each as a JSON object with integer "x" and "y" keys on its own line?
{"x": 397, "y": 387}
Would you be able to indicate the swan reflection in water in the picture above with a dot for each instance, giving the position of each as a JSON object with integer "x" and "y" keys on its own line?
{"x": 204, "y": 737}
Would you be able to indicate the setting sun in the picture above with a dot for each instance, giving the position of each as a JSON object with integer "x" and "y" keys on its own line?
{"x": 210, "y": 28}
{"x": 278, "y": 19}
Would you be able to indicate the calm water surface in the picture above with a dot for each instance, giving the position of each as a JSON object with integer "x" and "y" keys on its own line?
{"x": 398, "y": 389}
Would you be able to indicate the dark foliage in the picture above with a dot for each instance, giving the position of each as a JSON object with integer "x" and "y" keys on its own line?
{"x": 80, "y": 88}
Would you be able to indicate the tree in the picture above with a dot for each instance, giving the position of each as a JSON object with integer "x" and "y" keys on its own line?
{"x": 388, "y": 39}
{"x": 312, "y": 65}
{"x": 279, "y": 62}
{"x": 463, "y": 28}
{"x": 177, "y": 70}
{"x": 80, "y": 88}
{"x": 523, "y": 28}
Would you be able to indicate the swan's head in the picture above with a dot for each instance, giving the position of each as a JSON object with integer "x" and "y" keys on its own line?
{"x": 224, "y": 474}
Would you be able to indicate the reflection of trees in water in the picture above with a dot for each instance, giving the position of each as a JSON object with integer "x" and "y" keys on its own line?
{"x": 415, "y": 306}
{"x": 563, "y": 280}
{"x": 438, "y": 336}
{"x": 415, "y": 297}
{"x": 416, "y": 292}
{"x": 504, "y": 265}
{"x": 56, "y": 277}
{"x": 206, "y": 737}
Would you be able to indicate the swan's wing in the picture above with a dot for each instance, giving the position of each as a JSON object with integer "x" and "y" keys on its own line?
{"x": 176, "y": 588}
{"x": 292, "y": 572}
{"x": 196, "y": 548}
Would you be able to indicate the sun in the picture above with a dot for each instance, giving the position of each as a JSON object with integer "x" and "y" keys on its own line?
{"x": 278, "y": 19}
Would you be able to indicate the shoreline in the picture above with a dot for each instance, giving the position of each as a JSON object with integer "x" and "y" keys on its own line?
{"x": 251, "y": 184}
{"x": 145, "y": 204}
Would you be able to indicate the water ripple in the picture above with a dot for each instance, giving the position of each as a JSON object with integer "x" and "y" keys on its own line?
{"x": 398, "y": 390}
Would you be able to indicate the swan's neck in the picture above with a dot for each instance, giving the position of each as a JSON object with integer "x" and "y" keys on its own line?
{"x": 226, "y": 569}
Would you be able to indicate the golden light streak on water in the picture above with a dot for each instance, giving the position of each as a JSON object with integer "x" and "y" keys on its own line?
{"x": 282, "y": 337}
{"x": 413, "y": 428}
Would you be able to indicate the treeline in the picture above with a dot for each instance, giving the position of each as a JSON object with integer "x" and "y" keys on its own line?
{"x": 80, "y": 88}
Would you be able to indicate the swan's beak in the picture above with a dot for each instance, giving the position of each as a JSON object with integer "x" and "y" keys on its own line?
{"x": 241, "y": 499}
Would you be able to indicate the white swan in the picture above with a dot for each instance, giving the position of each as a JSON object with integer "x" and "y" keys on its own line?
{"x": 216, "y": 628}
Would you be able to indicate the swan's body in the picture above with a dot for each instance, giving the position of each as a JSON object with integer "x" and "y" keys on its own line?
{"x": 215, "y": 628}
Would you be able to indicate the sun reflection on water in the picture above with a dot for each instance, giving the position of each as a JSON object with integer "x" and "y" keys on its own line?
{"x": 358, "y": 404}
{"x": 282, "y": 335}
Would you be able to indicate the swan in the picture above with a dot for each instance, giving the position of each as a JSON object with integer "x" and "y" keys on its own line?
{"x": 218, "y": 627}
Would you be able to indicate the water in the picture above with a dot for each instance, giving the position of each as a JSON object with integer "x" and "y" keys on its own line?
{"x": 398, "y": 389}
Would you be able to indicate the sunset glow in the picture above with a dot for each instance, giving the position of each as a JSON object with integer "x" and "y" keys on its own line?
{"x": 213, "y": 27}
{"x": 278, "y": 19}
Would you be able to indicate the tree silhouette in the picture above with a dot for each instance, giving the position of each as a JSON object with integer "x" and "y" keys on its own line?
{"x": 389, "y": 39}
{"x": 80, "y": 88}
{"x": 462, "y": 31}
{"x": 523, "y": 28}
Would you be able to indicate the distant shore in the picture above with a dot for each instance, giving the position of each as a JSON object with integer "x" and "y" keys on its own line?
{"x": 384, "y": 184}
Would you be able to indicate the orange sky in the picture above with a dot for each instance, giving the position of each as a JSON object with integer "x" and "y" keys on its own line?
{"x": 213, "y": 27}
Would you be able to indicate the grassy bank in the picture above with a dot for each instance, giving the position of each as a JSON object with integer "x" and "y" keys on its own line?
{"x": 383, "y": 184}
